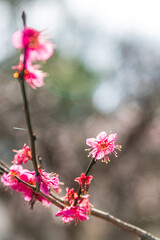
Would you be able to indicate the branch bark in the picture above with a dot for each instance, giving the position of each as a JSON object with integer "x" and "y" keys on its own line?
{"x": 127, "y": 227}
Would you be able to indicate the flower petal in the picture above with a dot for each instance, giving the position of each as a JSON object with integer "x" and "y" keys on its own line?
{"x": 101, "y": 136}
{"x": 17, "y": 39}
{"x": 112, "y": 137}
{"x": 92, "y": 142}
{"x": 99, "y": 155}
{"x": 45, "y": 51}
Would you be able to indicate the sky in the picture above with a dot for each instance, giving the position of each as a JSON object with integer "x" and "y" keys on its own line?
{"x": 121, "y": 17}
{"x": 116, "y": 18}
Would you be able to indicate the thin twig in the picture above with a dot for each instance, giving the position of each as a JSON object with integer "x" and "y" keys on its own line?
{"x": 24, "y": 18}
{"x": 56, "y": 198}
{"x": 4, "y": 165}
{"x": 92, "y": 162}
{"x": 29, "y": 126}
{"x": 27, "y": 113}
{"x": 3, "y": 170}
{"x": 25, "y": 183}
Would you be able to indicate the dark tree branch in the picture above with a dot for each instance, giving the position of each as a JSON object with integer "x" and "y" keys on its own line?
{"x": 24, "y": 18}
{"x": 127, "y": 227}
{"x": 30, "y": 131}
{"x": 27, "y": 112}
{"x": 92, "y": 162}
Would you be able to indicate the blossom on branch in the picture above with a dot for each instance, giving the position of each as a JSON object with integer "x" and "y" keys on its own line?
{"x": 70, "y": 196}
{"x": 102, "y": 146}
{"x": 51, "y": 180}
{"x": 84, "y": 182}
{"x": 29, "y": 195}
{"x": 34, "y": 42}
{"x": 77, "y": 207}
{"x": 22, "y": 155}
{"x": 35, "y": 48}
{"x": 73, "y": 213}
{"x": 32, "y": 74}
{"x": 84, "y": 203}
{"x": 10, "y": 180}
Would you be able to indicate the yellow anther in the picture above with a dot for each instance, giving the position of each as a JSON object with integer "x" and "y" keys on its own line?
{"x": 16, "y": 75}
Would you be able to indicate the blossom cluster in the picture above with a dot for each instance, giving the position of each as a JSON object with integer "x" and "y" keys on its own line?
{"x": 10, "y": 180}
{"x": 17, "y": 175}
{"x": 77, "y": 205}
{"x": 35, "y": 48}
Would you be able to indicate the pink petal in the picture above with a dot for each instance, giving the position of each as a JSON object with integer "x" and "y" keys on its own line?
{"x": 101, "y": 136}
{"x": 44, "y": 188}
{"x": 112, "y": 137}
{"x": 100, "y": 155}
{"x": 44, "y": 51}
{"x": 5, "y": 180}
{"x": 39, "y": 80}
{"x": 94, "y": 152}
{"x": 92, "y": 142}
{"x": 109, "y": 150}
{"x": 82, "y": 216}
{"x": 46, "y": 202}
{"x": 28, "y": 195}
{"x": 59, "y": 213}
{"x": 16, "y": 168}
{"x": 67, "y": 219}
{"x": 77, "y": 179}
{"x": 17, "y": 39}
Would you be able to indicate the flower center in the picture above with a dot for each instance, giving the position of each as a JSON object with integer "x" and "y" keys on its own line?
{"x": 103, "y": 146}
{"x": 31, "y": 182}
{"x": 13, "y": 174}
{"x": 34, "y": 41}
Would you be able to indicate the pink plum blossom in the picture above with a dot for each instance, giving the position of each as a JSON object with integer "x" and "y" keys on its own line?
{"x": 34, "y": 42}
{"x": 29, "y": 195}
{"x": 9, "y": 180}
{"x": 22, "y": 155}
{"x": 51, "y": 180}
{"x": 102, "y": 146}
{"x": 36, "y": 48}
{"x": 70, "y": 196}
{"x": 32, "y": 74}
{"x": 77, "y": 207}
{"x": 84, "y": 182}
{"x": 84, "y": 203}
{"x": 73, "y": 213}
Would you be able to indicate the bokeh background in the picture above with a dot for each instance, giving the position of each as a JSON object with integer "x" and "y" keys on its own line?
{"x": 104, "y": 75}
